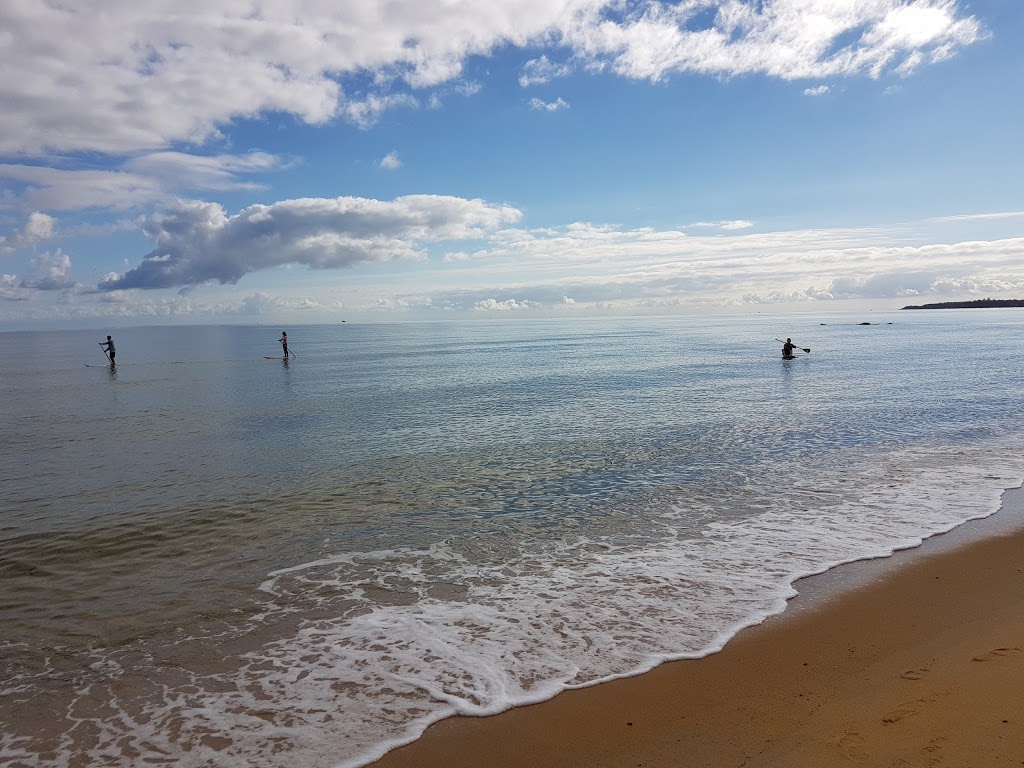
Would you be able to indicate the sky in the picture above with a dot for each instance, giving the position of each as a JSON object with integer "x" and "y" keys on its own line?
{"x": 319, "y": 161}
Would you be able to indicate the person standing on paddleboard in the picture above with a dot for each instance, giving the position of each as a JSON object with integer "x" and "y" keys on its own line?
{"x": 284, "y": 342}
{"x": 108, "y": 347}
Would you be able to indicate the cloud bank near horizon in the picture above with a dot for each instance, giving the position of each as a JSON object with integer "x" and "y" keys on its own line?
{"x": 580, "y": 268}
{"x": 146, "y": 75}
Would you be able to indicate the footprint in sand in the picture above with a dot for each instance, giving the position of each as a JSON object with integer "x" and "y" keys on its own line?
{"x": 902, "y": 712}
{"x": 995, "y": 653}
{"x": 915, "y": 674}
{"x": 934, "y": 746}
{"x": 910, "y": 708}
{"x": 852, "y": 746}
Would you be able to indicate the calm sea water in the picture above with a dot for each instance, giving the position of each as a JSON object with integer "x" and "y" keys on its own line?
{"x": 208, "y": 558}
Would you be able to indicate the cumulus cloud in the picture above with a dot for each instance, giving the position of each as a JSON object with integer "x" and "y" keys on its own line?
{"x": 508, "y": 305}
{"x": 144, "y": 76}
{"x": 38, "y": 227}
{"x": 199, "y": 242}
{"x": 819, "y": 90}
{"x": 49, "y": 272}
{"x": 390, "y": 161}
{"x": 10, "y": 290}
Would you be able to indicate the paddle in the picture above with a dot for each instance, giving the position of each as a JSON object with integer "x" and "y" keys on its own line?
{"x": 105, "y": 353}
{"x": 805, "y": 349}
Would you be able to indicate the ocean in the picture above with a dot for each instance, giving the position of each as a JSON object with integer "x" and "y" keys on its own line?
{"x": 208, "y": 558}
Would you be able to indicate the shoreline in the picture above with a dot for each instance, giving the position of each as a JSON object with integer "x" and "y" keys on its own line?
{"x": 902, "y": 660}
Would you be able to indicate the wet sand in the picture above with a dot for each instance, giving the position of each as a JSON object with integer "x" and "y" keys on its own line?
{"x": 913, "y": 660}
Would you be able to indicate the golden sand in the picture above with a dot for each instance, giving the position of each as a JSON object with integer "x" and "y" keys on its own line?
{"x": 914, "y": 660}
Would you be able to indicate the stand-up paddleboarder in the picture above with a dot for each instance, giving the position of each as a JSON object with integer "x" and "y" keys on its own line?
{"x": 108, "y": 350}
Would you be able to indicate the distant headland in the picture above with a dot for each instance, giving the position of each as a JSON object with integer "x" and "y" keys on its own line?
{"x": 976, "y": 304}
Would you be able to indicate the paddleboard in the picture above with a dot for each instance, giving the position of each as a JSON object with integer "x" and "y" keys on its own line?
{"x": 267, "y": 357}
{"x": 100, "y": 366}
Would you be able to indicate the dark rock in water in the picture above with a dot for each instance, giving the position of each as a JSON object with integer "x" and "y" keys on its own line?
{"x": 863, "y": 323}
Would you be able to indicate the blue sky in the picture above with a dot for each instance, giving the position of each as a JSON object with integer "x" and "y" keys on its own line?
{"x": 328, "y": 160}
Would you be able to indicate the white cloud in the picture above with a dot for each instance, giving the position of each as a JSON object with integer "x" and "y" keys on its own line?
{"x": 980, "y": 216}
{"x": 582, "y": 267}
{"x": 912, "y": 26}
{"x": 468, "y": 88}
{"x": 157, "y": 177}
{"x": 143, "y": 75}
{"x": 548, "y": 106}
{"x": 38, "y": 227}
{"x": 733, "y": 224}
{"x": 261, "y": 303}
{"x": 366, "y": 111}
{"x": 61, "y": 190}
{"x": 602, "y": 266}
{"x": 919, "y": 284}
{"x": 199, "y": 242}
{"x": 884, "y": 284}
{"x": 508, "y": 305}
{"x": 11, "y": 290}
{"x": 390, "y": 161}
{"x": 818, "y": 90}
{"x": 542, "y": 70}
{"x": 179, "y": 170}
{"x": 49, "y": 272}
{"x": 788, "y": 39}
{"x": 465, "y": 88}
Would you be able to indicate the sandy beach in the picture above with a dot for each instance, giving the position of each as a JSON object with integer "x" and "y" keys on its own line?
{"x": 913, "y": 660}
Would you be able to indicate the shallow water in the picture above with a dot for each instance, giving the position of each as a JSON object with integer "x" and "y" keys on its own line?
{"x": 209, "y": 558}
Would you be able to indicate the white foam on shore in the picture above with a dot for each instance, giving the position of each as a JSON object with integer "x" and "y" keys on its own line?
{"x": 392, "y": 641}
